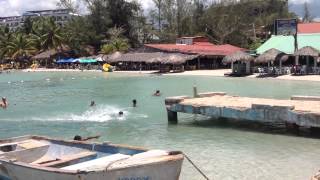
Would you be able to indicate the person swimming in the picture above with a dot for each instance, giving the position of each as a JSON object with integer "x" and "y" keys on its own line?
{"x": 157, "y": 93}
{"x": 4, "y": 103}
{"x": 79, "y": 138}
{"x": 134, "y": 103}
{"x": 120, "y": 113}
{"x": 92, "y": 104}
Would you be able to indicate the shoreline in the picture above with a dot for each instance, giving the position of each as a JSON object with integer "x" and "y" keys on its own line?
{"x": 213, "y": 73}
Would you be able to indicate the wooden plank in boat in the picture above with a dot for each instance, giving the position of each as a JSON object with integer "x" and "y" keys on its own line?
{"x": 29, "y": 144}
{"x": 65, "y": 160}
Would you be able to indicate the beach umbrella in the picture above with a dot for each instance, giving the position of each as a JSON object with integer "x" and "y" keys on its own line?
{"x": 237, "y": 56}
{"x": 87, "y": 61}
{"x": 270, "y": 56}
{"x": 307, "y": 51}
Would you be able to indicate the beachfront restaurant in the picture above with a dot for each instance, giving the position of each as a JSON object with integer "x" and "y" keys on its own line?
{"x": 152, "y": 61}
{"x": 279, "y": 55}
{"x": 210, "y": 56}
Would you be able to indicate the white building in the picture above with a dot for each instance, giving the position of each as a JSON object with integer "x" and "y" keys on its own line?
{"x": 61, "y": 16}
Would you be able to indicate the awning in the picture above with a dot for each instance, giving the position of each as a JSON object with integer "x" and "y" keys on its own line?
{"x": 286, "y": 43}
{"x": 87, "y": 61}
{"x": 71, "y": 60}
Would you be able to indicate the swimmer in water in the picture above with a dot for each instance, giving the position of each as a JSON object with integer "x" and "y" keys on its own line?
{"x": 4, "y": 103}
{"x": 79, "y": 138}
{"x": 92, "y": 104}
{"x": 120, "y": 113}
{"x": 157, "y": 93}
{"x": 134, "y": 103}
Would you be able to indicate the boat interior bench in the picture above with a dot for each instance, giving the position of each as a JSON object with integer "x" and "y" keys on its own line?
{"x": 65, "y": 160}
{"x": 97, "y": 164}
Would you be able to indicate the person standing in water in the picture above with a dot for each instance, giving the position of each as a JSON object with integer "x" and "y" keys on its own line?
{"x": 4, "y": 103}
{"x": 134, "y": 103}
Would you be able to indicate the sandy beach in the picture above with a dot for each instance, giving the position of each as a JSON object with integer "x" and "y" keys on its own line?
{"x": 58, "y": 70}
{"x": 215, "y": 73}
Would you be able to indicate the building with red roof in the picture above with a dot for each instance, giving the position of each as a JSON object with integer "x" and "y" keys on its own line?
{"x": 309, "y": 28}
{"x": 210, "y": 55}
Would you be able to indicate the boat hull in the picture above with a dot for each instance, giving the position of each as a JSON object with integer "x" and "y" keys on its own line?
{"x": 169, "y": 170}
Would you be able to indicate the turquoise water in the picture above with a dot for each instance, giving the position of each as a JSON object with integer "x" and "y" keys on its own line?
{"x": 57, "y": 104}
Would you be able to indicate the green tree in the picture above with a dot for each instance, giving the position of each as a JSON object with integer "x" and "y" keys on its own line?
{"x": 19, "y": 47}
{"x": 307, "y": 17}
{"x": 50, "y": 34}
{"x": 116, "y": 43}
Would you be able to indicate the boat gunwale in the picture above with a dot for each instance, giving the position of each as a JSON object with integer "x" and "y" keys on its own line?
{"x": 156, "y": 160}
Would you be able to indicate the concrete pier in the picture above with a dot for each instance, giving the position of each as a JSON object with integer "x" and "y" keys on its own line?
{"x": 298, "y": 111}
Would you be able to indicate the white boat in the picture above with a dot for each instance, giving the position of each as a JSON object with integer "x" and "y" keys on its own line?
{"x": 42, "y": 158}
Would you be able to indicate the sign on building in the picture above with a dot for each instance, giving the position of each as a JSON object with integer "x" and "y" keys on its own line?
{"x": 286, "y": 27}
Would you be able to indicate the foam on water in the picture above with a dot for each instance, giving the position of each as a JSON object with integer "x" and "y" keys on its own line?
{"x": 101, "y": 113}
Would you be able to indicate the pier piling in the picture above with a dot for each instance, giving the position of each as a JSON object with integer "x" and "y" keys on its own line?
{"x": 172, "y": 116}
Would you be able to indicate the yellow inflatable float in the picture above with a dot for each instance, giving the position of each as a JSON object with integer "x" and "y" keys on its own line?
{"x": 107, "y": 68}
{"x": 34, "y": 66}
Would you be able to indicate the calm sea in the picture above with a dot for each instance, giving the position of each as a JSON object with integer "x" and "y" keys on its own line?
{"x": 57, "y": 104}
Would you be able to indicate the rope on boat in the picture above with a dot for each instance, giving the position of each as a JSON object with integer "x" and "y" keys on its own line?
{"x": 191, "y": 162}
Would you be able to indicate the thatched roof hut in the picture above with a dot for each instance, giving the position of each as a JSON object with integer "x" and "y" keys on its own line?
{"x": 270, "y": 56}
{"x": 238, "y": 56}
{"x": 45, "y": 54}
{"x": 156, "y": 57}
{"x": 307, "y": 51}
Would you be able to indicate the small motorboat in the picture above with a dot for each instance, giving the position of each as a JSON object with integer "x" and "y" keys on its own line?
{"x": 42, "y": 158}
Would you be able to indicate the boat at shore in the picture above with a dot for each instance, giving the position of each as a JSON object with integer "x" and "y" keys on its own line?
{"x": 38, "y": 158}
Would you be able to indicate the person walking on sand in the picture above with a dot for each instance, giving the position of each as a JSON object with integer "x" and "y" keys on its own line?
{"x": 4, "y": 103}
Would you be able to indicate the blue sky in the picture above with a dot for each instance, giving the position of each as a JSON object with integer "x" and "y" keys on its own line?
{"x": 16, "y": 7}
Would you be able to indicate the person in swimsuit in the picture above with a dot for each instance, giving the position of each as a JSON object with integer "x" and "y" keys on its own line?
{"x": 4, "y": 103}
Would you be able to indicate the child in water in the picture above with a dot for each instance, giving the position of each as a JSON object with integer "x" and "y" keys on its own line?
{"x": 4, "y": 103}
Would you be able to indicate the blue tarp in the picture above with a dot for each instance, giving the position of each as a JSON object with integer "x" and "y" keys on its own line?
{"x": 71, "y": 60}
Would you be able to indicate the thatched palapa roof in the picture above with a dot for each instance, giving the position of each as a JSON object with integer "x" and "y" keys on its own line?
{"x": 270, "y": 56}
{"x": 238, "y": 56}
{"x": 307, "y": 51}
{"x": 157, "y": 57}
{"x": 45, "y": 55}
{"x": 51, "y": 52}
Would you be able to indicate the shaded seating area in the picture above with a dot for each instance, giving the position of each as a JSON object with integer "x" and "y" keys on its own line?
{"x": 156, "y": 61}
{"x": 270, "y": 63}
{"x": 306, "y": 61}
{"x": 241, "y": 63}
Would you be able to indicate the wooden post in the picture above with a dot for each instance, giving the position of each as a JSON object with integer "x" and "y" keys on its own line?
{"x": 195, "y": 92}
{"x": 232, "y": 67}
{"x": 297, "y": 60}
{"x": 280, "y": 66}
{"x": 172, "y": 116}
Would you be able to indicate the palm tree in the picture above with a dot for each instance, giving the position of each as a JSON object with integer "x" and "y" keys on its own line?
{"x": 4, "y": 39}
{"x": 52, "y": 38}
{"x": 19, "y": 47}
{"x": 119, "y": 44}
